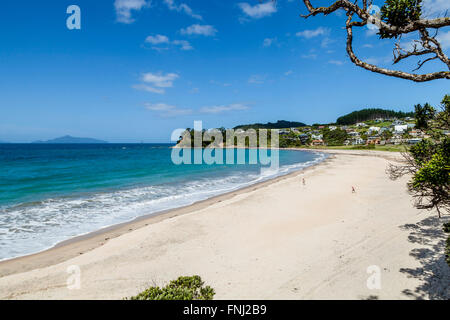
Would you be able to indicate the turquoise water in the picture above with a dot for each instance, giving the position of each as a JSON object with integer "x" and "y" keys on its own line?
{"x": 50, "y": 193}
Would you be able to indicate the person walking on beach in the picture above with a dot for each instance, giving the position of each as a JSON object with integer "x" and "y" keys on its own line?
{"x": 353, "y": 189}
{"x": 303, "y": 180}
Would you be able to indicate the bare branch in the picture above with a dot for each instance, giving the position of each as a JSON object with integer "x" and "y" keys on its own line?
{"x": 430, "y": 45}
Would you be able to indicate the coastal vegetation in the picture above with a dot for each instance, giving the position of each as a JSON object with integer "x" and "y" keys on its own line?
{"x": 184, "y": 288}
{"x": 429, "y": 160}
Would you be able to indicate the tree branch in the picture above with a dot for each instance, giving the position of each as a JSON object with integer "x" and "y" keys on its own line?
{"x": 430, "y": 44}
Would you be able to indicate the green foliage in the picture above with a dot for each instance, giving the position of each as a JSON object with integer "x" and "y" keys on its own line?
{"x": 184, "y": 288}
{"x": 434, "y": 173}
{"x": 423, "y": 115}
{"x": 334, "y": 137}
{"x": 370, "y": 114}
{"x": 443, "y": 117}
{"x": 399, "y": 13}
{"x": 431, "y": 180}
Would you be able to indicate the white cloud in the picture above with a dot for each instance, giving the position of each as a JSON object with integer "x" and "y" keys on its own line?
{"x": 336, "y": 62}
{"x": 166, "y": 110}
{"x": 289, "y": 72}
{"x": 184, "y": 45}
{"x": 147, "y": 88}
{"x": 124, "y": 8}
{"x": 162, "y": 39}
{"x": 444, "y": 39}
{"x": 182, "y": 8}
{"x": 258, "y": 10}
{"x": 257, "y": 79}
{"x": 268, "y": 42}
{"x": 308, "y": 34}
{"x": 224, "y": 108}
{"x": 158, "y": 39}
{"x": 160, "y": 80}
{"x": 156, "y": 82}
{"x": 204, "y": 30}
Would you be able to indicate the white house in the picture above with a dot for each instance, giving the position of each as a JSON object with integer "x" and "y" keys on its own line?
{"x": 400, "y": 128}
{"x": 358, "y": 141}
{"x": 374, "y": 130}
{"x": 361, "y": 124}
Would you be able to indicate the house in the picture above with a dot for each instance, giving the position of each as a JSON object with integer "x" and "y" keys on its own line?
{"x": 295, "y": 130}
{"x": 398, "y": 123}
{"x": 409, "y": 119}
{"x": 374, "y": 130}
{"x": 303, "y": 138}
{"x": 332, "y": 128}
{"x": 379, "y": 120}
{"x": 283, "y": 131}
{"x": 317, "y": 142}
{"x": 384, "y": 129}
{"x": 373, "y": 140}
{"x": 361, "y": 124}
{"x": 317, "y": 136}
{"x": 400, "y": 128}
{"x": 411, "y": 125}
{"x": 414, "y": 140}
{"x": 358, "y": 141}
{"x": 416, "y": 133}
{"x": 396, "y": 139}
{"x": 353, "y": 134}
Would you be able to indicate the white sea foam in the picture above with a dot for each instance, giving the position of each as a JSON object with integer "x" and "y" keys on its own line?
{"x": 32, "y": 227}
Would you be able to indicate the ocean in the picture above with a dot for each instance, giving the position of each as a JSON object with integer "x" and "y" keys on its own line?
{"x": 51, "y": 192}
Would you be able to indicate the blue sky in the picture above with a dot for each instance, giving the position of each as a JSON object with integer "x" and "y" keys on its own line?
{"x": 138, "y": 69}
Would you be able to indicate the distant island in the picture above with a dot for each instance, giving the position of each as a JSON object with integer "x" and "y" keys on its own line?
{"x": 70, "y": 139}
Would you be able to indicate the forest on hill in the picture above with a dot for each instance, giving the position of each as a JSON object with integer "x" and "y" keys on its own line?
{"x": 371, "y": 114}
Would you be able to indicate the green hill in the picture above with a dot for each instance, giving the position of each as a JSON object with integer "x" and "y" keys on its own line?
{"x": 277, "y": 125}
{"x": 371, "y": 114}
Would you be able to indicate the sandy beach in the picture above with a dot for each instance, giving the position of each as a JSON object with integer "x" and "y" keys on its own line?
{"x": 276, "y": 240}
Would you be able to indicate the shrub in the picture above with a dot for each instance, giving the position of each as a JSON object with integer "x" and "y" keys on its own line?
{"x": 184, "y": 288}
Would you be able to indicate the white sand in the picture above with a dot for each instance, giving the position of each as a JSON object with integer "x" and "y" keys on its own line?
{"x": 280, "y": 241}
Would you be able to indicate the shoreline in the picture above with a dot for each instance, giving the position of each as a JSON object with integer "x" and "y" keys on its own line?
{"x": 280, "y": 239}
{"x": 78, "y": 245}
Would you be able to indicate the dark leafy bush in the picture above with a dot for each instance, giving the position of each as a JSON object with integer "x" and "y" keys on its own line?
{"x": 184, "y": 288}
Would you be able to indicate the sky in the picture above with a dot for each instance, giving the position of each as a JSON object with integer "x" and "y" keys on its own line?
{"x": 138, "y": 69}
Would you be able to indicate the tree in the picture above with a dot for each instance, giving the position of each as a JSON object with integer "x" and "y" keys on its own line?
{"x": 423, "y": 115}
{"x": 397, "y": 18}
{"x": 334, "y": 137}
{"x": 429, "y": 161}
